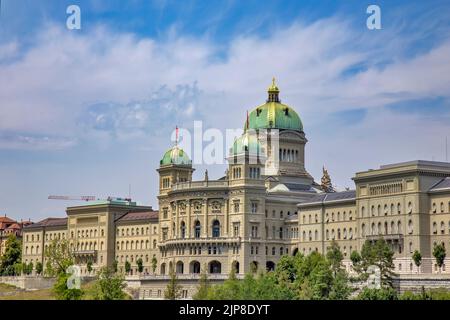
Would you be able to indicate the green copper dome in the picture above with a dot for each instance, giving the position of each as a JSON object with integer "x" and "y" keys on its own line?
{"x": 247, "y": 143}
{"x": 175, "y": 155}
{"x": 273, "y": 114}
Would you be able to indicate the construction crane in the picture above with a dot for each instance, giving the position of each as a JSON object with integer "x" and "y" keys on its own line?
{"x": 86, "y": 198}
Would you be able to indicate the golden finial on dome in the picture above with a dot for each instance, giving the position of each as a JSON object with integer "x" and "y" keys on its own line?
{"x": 273, "y": 92}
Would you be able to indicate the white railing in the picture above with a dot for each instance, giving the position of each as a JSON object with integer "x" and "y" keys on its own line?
{"x": 199, "y": 184}
{"x": 202, "y": 240}
{"x": 192, "y": 276}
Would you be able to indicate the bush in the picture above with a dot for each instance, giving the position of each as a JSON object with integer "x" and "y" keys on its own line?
{"x": 378, "y": 294}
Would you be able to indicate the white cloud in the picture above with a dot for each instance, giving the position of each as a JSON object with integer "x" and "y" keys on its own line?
{"x": 144, "y": 88}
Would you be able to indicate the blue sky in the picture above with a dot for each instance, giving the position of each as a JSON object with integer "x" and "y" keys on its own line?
{"x": 91, "y": 111}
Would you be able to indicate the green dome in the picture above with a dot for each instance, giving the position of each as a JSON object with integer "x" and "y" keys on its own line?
{"x": 273, "y": 114}
{"x": 175, "y": 155}
{"x": 247, "y": 143}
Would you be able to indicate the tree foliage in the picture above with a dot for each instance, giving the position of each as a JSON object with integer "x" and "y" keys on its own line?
{"x": 314, "y": 277}
{"x": 62, "y": 291}
{"x": 154, "y": 263}
{"x": 378, "y": 294}
{"x": 173, "y": 290}
{"x": 39, "y": 268}
{"x": 109, "y": 285}
{"x": 417, "y": 258}
{"x": 11, "y": 257}
{"x": 127, "y": 267}
{"x": 203, "y": 287}
{"x": 439, "y": 254}
{"x": 59, "y": 257}
{"x": 377, "y": 254}
{"x": 140, "y": 265}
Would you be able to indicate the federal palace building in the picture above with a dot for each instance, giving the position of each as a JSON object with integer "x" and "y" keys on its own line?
{"x": 267, "y": 205}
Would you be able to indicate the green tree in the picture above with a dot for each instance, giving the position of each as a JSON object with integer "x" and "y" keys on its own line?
{"x": 253, "y": 267}
{"x": 378, "y": 254}
{"x": 109, "y": 285}
{"x": 203, "y": 287}
{"x": 173, "y": 290}
{"x": 59, "y": 257}
{"x": 154, "y": 263}
{"x": 417, "y": 258}
{"x": 23, "y": 268}
{"x": 115, "y": 266}
{"x": 12, "y": 256}
{"x": 127, "y": 267}
{"x": 30, "y": 267}
{"x": 378, "y": 294}
{"x": 140, "y": 265}
{"x": 89, "y": 266}
{"x": 355, "y": 258}
{"x": 335, "y": 257}
{"x": 39, "y": 268}
{"x": 18, "y": 268}
{"x": 439, "y": 254}
{"x": 61, "y": 290}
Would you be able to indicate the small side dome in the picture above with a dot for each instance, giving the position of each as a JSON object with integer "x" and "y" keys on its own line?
{"x": 247, "y": 144}
{"x": 177, "y": 156}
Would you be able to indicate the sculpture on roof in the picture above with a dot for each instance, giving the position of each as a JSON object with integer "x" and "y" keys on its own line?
{"x": 326, "y": 181}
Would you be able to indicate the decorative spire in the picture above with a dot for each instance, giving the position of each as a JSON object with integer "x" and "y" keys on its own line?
{"x": 326, "y": 181}
{"x": 273, "y": 92}
{"x": 176, "y": 136}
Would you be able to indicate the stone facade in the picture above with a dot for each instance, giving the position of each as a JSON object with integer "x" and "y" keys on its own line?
{"x": 267, "y": 205}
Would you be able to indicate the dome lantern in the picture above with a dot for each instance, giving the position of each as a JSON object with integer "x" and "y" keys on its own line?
{"x": 273, "y": 92}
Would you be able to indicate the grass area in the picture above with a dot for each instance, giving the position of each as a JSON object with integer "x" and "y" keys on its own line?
{"x": 44, "y": 294}
{"x": 8, "y": 292}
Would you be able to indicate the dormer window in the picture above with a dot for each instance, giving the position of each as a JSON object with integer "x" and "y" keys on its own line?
{"x": 258, "y": 111}
{"x": 286, "y": 111}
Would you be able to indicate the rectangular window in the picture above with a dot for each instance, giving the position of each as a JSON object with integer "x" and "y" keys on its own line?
{"x": 236, "y": 227}
{"x": 254, "y": 207}
{"x": 236, "y": 207}
{"x": 165, "y": 213}
{"x": 165, "y": 232}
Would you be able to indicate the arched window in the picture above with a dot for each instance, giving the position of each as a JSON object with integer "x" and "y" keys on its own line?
{"x": 363, "y": 212}
{"x": 179, "y": 267}
{"x": 183, "y": 230}
{"x": 163, "y": 268}
{"x": 195, "y": 267}
{"x": 216, "y": 229}
{"x": 363, "y": 230}
{"x": 399, "y": 227}
{"x": 154, "y": 244}
{"x": 410, "y": 227}
{"x": 197, "y": 229}
{"x": 215, "y": 267}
